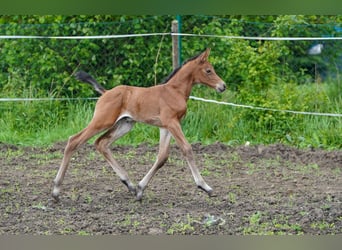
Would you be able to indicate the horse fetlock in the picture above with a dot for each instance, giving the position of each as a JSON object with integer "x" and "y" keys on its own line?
{"x": 55, "y": 193}
{"x": 130, "y": 186}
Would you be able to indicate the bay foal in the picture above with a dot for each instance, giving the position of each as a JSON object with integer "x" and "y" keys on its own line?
{"x": 163, "y": 105}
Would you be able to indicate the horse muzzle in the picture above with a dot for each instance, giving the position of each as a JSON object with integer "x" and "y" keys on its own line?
{"x": 221, "y": 87}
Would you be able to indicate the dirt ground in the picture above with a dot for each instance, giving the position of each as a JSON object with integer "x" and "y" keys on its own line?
{"x": 258, "y": 190}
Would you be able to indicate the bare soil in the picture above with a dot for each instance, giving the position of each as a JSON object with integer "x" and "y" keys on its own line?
{"x": 258, "y": 190}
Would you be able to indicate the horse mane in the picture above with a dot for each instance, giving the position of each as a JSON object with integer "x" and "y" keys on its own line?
{"x": 178, "y": 68}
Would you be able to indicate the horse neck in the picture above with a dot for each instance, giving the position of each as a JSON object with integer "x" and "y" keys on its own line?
{"x": 183, "y": 80}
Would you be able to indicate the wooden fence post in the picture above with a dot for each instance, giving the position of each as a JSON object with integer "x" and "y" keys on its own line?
{"x": 175, "y": 49}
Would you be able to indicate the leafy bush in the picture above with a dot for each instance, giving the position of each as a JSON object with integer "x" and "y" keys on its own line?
{"x": 258, "y": 73}
{"x": 47, "y": 64}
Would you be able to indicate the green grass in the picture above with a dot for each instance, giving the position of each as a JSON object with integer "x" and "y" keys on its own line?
{"x": 278, "y": 226}
{"x": 44, "y": 123}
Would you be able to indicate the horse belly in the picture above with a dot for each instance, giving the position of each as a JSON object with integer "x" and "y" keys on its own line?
{"x": 148, "y": 116}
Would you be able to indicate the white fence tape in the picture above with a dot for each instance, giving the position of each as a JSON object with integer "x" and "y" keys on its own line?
{"x": 175, "y": 34}
{"x": 82, "y": 37}
{"x": 44, "y": 99}
{"x": 265, "y": 109}
{"x": 261, "y": 38}
{"x": 191, "y": 97}
{"x": 172, "y": 34}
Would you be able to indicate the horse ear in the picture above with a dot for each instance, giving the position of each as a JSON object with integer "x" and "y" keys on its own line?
{"x": 204, "y": 56}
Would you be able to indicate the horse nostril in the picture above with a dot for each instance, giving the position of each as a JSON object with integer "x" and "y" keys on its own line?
{"x": 221, "y": 88}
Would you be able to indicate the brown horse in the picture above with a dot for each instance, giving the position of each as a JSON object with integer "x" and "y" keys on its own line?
{"x": 163, "y": 105}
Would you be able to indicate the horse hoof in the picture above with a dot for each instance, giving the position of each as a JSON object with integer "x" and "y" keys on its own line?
{"x": 130, "y": 186}
{"x": 55, "y": 198}
{"x": 139, "y": 198}
{"x": 211, "y": 194}
{"x": 139, "y": 193}
{"x": 55, "y": 193}
{"x": 208, "y": 190}
{"x": 133, "y": 190}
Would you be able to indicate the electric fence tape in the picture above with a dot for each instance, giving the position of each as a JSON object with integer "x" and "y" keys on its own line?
{"x": 172, "y": 34}
{"x": 176, "y": 34}
{"x": 191, "y": 97}
{"x": 264, "y": 109}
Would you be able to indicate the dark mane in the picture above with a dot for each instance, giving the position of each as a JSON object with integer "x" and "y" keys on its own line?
{"x": 177, "y": 69}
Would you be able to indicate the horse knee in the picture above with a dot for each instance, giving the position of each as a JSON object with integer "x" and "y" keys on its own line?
{"x": 99, "y": 145}
{"x": 187, "y": 150}
{"x": 72, "y": 143}
{"x": 75, "y": 141}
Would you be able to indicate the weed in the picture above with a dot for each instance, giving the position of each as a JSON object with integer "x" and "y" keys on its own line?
{"x": 66, "y": 230}
{"x": 105, "y": 170}
{"x": 130, "y": 223}
{"x": 205, "y": 172}
{"x": 74, "y": 194}
{"x": 232, "y": 197}
{"x": 322, "y": 225}
{"x": 304, "y": 213}
{"x": 8, "y": 190}
{"x": 89, "y": 198}
{"x": 311, "y": 168}
{"x": 92, "y": 155}
{"x": 40, "y": 206}
{"x": 252, "y": 168}
{"x": 255, "y": 218}
{"x": 278, "y": 226}
{"x": 48, "y": 174}
{"x": 127, "y": 221}
{"x": 182, "y": 227}
{"x": 82, "y": 232}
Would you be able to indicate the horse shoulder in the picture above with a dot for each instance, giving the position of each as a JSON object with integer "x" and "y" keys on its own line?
{"x": 173, "y": 105}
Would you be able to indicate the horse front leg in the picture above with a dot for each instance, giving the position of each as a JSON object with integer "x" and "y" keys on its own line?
{"x": 186, "y": 149}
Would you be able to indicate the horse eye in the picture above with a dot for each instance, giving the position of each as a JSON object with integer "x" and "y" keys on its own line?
{"x": 208, "y": 71}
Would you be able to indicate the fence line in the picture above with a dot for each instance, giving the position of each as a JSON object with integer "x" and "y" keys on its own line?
{"x": 83, "y": 37}
{"x": 173, "y": 34}
{"x": 260, "y": 38}
{"x": 264, "y": 109}
{"x": 191, "y": 97}
{"x": 46, "y": 99}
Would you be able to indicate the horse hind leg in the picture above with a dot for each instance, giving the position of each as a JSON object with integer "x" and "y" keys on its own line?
{"x": 102, "y": 144}
{"x": 74, "y": 142}
{"x": 164, "y": 145}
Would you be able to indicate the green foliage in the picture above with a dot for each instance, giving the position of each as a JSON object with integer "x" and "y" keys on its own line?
{"x": 301, "y": 67}
{"x": 271, "y": 74}
{"x": 42, "y": 122}
{"x": 47, "y": 64}
{"x": 279, "y": 226}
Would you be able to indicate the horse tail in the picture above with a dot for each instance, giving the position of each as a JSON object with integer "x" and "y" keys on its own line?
{"x": 85, "y": 77}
